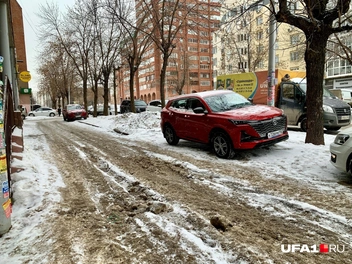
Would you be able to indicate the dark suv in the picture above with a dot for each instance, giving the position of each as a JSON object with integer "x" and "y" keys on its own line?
{"x": 140, "y": 106}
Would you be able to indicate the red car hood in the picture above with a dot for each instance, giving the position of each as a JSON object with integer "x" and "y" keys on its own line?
{"x": 254, "y": 112}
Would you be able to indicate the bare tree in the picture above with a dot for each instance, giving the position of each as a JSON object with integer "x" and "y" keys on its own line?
{"x": 171, "y": 20}
{"x": 75, "y": 34}
{"x": 107, "y": 35}
{"x": 57, "y": 72}
{"x": 135, "y": 42}
{"x": 316, "y": 20}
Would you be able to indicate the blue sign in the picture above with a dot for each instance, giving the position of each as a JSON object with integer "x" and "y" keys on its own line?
{"x": 5, "y": 188}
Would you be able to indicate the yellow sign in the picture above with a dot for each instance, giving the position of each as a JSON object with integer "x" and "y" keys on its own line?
{"x": 25, "y": 76}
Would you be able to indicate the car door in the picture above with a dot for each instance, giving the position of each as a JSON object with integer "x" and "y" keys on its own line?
{"x": 178, "y": 117}
{"x": 291, "y": 105}
{"x": 197, "y": 128}
{"x": 40, "y": 111}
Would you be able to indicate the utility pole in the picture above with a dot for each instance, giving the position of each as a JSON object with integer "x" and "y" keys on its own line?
{"x": 271, "y": 64}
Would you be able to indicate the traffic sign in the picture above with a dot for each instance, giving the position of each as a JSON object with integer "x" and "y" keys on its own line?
{"x": 25, "y": 76}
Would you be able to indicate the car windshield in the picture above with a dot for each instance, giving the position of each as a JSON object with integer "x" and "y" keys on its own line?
{"x": 140, "y": 103}
{"x": 326, "y": 92}
{"x": 226, "y": 102}
{"x": 73, "y": 107}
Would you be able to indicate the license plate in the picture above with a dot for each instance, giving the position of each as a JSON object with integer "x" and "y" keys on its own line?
{"x": 345, "y": 117}
{"x": 274, "y": 134}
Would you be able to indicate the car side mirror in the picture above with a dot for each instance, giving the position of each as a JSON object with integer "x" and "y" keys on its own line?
{"x": 200, "y": 110}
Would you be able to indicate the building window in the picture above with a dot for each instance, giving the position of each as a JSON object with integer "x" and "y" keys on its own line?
{"x": 241, "y": 37}
{"x": 205, "y": 83}
{"x": 204, "y": 58}
{"x": 204, "y": 75}
{"x": 243, "y": 51}
{"x": 259, "y": 20}
{"x": 204, "y": 66}
{"x": 259, "y": 35}
{"x": 294, "y": 56}
{"x": 242, "y": 65}
{"x": 193, "y": 40}
{"x": 295, "y": 39}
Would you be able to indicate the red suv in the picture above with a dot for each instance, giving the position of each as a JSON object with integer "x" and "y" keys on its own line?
{"x": 224, "y": 119}
{"x": 73, "y": 112}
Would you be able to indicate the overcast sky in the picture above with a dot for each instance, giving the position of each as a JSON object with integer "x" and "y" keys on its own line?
{"x": 29, "y": 10}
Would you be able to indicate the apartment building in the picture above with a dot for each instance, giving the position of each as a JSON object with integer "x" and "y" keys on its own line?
{"x": 242, "y": 42}
{"x": 338, "y": 68}
{"x": 189, "y": 66}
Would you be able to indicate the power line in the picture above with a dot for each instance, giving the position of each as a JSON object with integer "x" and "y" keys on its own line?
{"x": 27, "y": 17}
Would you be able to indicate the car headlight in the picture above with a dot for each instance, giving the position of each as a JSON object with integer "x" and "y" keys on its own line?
{"x": 341, "y": 139}
{"x": 328, "y": 109}
{"x": 241, "y": 122}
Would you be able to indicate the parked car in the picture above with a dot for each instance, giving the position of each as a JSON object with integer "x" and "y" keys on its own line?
{"x": 224, "y": 119}
{"x": 140, "y": 106}
{"x": 155, "y": 106}
{"x": 341, "y": 151}
{"x": 90, "y": 109}
{"x": 100, "y": 109}
{"x": 43, "y": 111}
{"x": 73, "y": 112}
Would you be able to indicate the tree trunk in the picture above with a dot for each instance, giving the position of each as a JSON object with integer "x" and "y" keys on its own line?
{"x": 132, "y": 71}
{"x": 315, "y": 62}
{"x": 85, "y": 88}
{"x": 162, "y": 81}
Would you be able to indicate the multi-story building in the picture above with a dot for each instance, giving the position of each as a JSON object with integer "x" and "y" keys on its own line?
{"x": 242, "y": 42}
{"x": 338, "y": 66}
{"x": 189, "y": 67}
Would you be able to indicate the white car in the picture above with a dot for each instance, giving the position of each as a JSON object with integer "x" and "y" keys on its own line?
{"x": 43, "y": 111}
{"x": 155, "y": 106}
{"x": 341, "y": 150}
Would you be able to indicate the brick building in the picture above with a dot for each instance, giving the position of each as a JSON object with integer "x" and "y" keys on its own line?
{"x": 190, "y": 64}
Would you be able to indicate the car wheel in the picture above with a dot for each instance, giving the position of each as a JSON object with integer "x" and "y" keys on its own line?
{"x": 222, "y": 146}
{"x": 304, "y": 124}
{"x": 170, "y": 135}
{"x": 31, "y": 114}
{"x": 51, "y": 114}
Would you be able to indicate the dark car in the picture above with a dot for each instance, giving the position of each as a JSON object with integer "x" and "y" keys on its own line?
{"x": 224, "y": 119}
{"x": 73, "y": 112}
{"x": 140, "y": 106}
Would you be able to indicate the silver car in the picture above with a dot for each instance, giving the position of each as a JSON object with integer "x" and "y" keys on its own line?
{"x": 341, "y": 151}
{"x": 43, "y": 111}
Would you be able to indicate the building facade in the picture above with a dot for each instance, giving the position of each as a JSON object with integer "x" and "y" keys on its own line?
{"x": 189, "y": 66}
{"x": 242, "y": 42}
